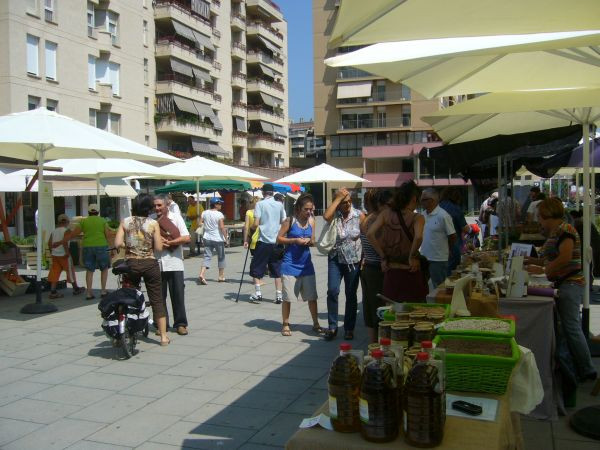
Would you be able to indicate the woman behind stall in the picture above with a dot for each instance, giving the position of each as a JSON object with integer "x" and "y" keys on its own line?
{"x": 561, "y": 262}
{"x": 396, "y": 235}
{"x": 371, "y": 275}
{"x": 140, "y": 235}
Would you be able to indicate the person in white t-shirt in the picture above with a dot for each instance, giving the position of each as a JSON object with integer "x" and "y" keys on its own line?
{"x": 170, "y": 260}
{"x": 438, "y": 236}
{"x": 61, "y": 259}
{"x": 214, "y": 238}
{"x": 173, "y": 206}
{"x": 532, "y": 210}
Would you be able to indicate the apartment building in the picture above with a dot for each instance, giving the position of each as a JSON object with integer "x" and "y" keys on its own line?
{"x": 373, "y": 127}
{"x": 306, "y": 148}
{"x": 190, "y": 77}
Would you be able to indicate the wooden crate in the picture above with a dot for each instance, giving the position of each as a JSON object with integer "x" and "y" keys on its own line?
{"x": 13, "y": 288}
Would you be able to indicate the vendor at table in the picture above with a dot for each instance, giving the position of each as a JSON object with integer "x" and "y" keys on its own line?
{"x": 561, "y": 262}
{"x": 194, "y": 211}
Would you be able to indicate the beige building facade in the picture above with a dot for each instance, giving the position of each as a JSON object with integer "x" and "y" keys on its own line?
{"x": 373, "y": 127}
{"x": 184, "y": 76}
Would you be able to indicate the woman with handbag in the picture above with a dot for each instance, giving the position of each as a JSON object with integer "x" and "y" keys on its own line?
{"x": 396, "y": 235}
{"x": 343, "y": 262}
{"x": 297, "y": 233}
{"x": 140, "y": 235}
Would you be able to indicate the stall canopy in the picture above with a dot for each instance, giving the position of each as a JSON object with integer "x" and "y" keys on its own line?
{"x": 360, "y": 22}
{"x": 205, "y": 186}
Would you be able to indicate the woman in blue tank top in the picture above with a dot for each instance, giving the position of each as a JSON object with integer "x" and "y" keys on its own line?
{"x": 297, "y": 233}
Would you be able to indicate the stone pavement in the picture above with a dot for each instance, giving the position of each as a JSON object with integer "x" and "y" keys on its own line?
{"x": 233, "y": 382}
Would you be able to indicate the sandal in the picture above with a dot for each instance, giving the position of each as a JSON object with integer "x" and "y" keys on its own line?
{"x": 78, "y": 290}
{"x": 221, "y": 280}
{"x": 90, "y": 297}
{"x": 202, "y": 281}
{"x": 285, "y": 331}
{"x": 165, "y": 343}
{"x": 318, "y": 329}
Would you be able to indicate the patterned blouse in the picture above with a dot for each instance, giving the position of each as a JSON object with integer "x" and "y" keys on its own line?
{"x": 348, "y": 247}
{"x": 571, "y": 271}
{"x": 139, "y": 240}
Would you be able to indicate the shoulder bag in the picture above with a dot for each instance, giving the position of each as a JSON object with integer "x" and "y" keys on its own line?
{"x": 424, "y": 263}
{"x": 328, "y": 237}
{"x": 168, "y": 230}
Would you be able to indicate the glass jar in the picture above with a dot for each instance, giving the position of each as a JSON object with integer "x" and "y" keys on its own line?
{"x": 385, "y": 329}
{"x": 424, "y": 333}
{"x": 400, "y": 334}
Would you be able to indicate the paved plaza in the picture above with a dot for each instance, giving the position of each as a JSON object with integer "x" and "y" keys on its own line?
{"x": 233, "y": 382}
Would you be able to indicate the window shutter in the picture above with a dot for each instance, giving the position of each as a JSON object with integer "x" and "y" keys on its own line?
{"x": 51, "y": 60}
{"x": 32, "y": 55}
{"x": 114, "y": 77}
{"x": 91, "y": 72}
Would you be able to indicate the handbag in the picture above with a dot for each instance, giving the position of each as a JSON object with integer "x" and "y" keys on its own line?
{"x": 423, "y": 262}
{"x": 168, "y": 230}
{"x": 328, "y": 237}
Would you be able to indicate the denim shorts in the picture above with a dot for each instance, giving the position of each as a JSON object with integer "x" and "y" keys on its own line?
{"x": 96, "y": 258}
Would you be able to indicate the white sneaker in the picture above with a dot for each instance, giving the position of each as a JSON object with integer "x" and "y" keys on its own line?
{"x": 255, "y": 298}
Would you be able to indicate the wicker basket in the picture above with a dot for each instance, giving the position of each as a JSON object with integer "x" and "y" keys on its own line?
{"x": 479, "y": 373}
{"x": 509, "y": 334}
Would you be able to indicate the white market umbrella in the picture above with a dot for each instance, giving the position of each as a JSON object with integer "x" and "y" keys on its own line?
{"x": 323, "y": 173}
{"x": 103, "y": 168}
{"x": 199, "y": 168}
{"x": 516, "y": 112}
{"x": 41, "y": 135}
{"x": 469, "y": 65}
{"x": 362, "y": 22}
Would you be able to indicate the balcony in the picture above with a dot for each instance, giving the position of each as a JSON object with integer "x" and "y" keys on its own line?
{"x": 238, "y": 50}
{"x": 176, "y": 84}
{"x": 238, "y": 22}
{"x": 170, "y": 46}
{"x": 265, "y": 30}
{"x": 172, "y": 9}
{"x": 238, "y": 79}
{"x": 171, "y": 125}
{"x": 265, "y": 142}
{"x": 260, "y": 85}
{"x": 238, "y": 109}
{"x": 217, "y": 34}
{"x": 106, "y": 40}
{"x": 356, "y": 124}
{"x": 388, "y": 179}
{"x": 395, "y": 151}
{"x": 379, "y": 100}
{"x": 348, "y": 73}
{"x": 215, "y": 6}
{"x": 260, "y": 113}
{"x": 260, "y": 57}
{"x": 239, "y": 138}
{"x": 267, "y": 8}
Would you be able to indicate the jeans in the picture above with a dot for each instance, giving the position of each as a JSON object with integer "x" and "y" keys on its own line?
{"x": 437, "y": 272}
{"x": 211, "y": 247}
{"x": 570, "y": 337}
{"x": 173, "y": 281}
{"x": 351, "y": 275}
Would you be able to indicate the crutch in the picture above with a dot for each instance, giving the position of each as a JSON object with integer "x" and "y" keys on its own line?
{"x": 242, "y": 277}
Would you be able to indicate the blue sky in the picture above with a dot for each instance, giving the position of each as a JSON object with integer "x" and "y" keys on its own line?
{"x": 298, "y": 14}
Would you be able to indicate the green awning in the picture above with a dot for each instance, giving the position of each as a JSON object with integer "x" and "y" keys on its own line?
{"x": 205, "y": 185}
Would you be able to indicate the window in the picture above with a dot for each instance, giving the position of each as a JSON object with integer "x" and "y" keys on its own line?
{"x": 32, "y": 7}
{"x": 405, "y": 92}
{"x": 33, "y": 64}
{"x": 106, "y": 121}
{"x": 51, "y": 105}
{"x": 112, "y": 26}
{"x": 379, "y": 94}
{"x": 91, "y": 19}
{"x": 146, "y": 73}
{"x": 51, "y": 60}
{"x": 145, "y": 33}
{"x": 114, "y": 77}
{"x": 146, "y": 110}
{"x": 33, "y": 102}
{"x": 91, "y": 72}
{"x": 406, "y": 115}
{"x": 49, "y": 10}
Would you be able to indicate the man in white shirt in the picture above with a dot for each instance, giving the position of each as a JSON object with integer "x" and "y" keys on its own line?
{"x": 171, "y": 263}
{"x": 438, "y": 236}
{"x": 172, "y": 205}
{"x": 268, "y": 216}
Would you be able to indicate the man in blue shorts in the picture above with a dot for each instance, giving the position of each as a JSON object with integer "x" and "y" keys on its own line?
{"x": 268, "y": 216}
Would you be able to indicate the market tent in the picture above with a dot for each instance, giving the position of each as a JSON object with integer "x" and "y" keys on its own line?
{"x": 204, "y": 186}
{"x": 523, "y": 111}
{"x": 469, "y": 65}
{"x": 359, "y": 22}
{"x": 323, "y": 173}
{"x": 41, "y": 135}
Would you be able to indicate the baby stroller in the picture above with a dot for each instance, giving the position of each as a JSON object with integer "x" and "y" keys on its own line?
{"x": 124, "y": 311}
